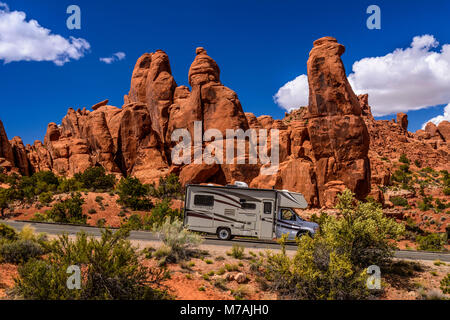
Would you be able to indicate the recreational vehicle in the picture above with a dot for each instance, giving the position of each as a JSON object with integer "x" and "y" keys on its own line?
{"x": 237, "y": 210}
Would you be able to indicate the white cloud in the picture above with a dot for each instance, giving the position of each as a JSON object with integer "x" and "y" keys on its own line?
{"x": 440, "y": 118}
{"x": 22, "y": 40}
{"x": 115, "y": 57}
{"x": 293, "y": 94}
{"x": 405, "y": 79}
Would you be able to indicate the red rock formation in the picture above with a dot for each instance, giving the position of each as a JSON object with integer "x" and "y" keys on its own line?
{"x": 6, "y": 151}
{"x": 152, "y": 83}
{"x": 21, "y": 160}
{"x": 338, "y": 134}
{"x": 444, "y": 130}
{"x": 402, "y": 120}
{"x": 324, "y": 148}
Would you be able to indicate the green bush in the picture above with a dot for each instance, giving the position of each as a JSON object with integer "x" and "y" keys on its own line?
{"x": 95, "y": 178}
{"x": 134, "y": 222}
{"x": 7, "y": 233}
{"x": 67, "y": 211}
{"x": 446, "y": 191}
{"x": 417, "y": 163}
{"x": 46, "y": 197}
{"x": 20, "y": 251}
{"x": 6, "y": 197}
{"x": 432, "y": 242}
{"x": 160, "y": 212}
{"x": 401, "y": 176}
{"x": 332, "y": 265}
{"x": 40, "y": 182}
{"x": 70, "y": 185}
{"x": 426, "y": 203}
{"x": 404, "y": 159}
{"x": 177, "y": 239}
{"x": 132, "y": 193}
{"x": 101, "y": 223}
{"x": 111, "y": 270}
{"x": 399, "y": 201}
{"x": 169, "y": 187}
{"x": 445, "y": 284}
{"x": 237, "y": 252}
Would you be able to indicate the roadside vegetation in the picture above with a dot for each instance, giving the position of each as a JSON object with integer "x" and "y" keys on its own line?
{"x": 111, "y": 267}
{"x": 66, "y": 196}
{"x": 421, "y": 191}
{"x": 333, "y": 264}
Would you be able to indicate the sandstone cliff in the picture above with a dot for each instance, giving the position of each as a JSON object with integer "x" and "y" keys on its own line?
{"x": 332, "y": 144}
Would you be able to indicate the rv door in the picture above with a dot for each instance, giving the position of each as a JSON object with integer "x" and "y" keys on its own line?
{"x": 266, "y": 220}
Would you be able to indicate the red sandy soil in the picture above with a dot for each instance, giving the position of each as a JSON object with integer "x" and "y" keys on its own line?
{"x": 188, "y": 289}
{"x": 7, "y": 274}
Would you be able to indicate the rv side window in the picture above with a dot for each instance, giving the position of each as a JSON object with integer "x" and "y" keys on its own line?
{"x": 248, "y": 206}
{"x": 201, "y": 200}
{"x": 267, "y": 207}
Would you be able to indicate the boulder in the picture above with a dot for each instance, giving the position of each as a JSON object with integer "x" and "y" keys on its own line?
{"x": 402, "y": 120}
{"x": 444, "y": 130}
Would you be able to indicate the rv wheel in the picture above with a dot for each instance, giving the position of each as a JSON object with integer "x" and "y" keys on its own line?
{"x": 224, "y": 234}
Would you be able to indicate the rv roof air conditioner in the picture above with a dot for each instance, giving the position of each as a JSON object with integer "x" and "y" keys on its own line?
{"x": 241, "y": 184}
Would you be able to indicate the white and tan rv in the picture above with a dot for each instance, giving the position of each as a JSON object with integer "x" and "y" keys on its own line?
{"x": 237, "y": 210}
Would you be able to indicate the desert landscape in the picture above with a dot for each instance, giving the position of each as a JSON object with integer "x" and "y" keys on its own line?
{"x": 109, "y": 166}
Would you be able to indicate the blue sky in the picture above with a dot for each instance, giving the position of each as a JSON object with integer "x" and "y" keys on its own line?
{"x": 259, "y": 46}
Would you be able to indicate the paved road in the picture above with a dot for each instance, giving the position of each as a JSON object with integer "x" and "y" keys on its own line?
{"x": 56, "y": 229}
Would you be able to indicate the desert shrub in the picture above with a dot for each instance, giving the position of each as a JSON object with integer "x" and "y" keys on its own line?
{"x": 6, "y": 197}
{"x": 404, "y": 159}
{"x": 7, "y": 233}
{"x": 40, "y": 182}
{"x": 426, "y": 203}
{"x": 399, "y": 201}
{"x": 401, "y": 176}
{"x": 332, "y": 265}
{"x": 92, "y": 211}
{"x": 439, "y": 205}
{"x": 240, "y": 293}
{"x": 221, "y": 284}
{"x": 67, "y": 211}
{"x": 237, "y": 251}
{"x": 134, "y": 222}
{"x": 28, "y": 233}
{"x": 69, "y": 185}
{"x": 432, "y": 241}
{"x": 178, "y": 239}
{"x": 445, "y": 284}
{"x": 101, "y": 223}
{"x": 231, "y": 267}
{"x": 169, "y": 187}
{"x": 95, "y": 178}
{"x": 418, "y": 163}
{"x": 20, "y": 251}
{"x": 46, "y": 197}
{"x": 132, "y": 193}
{"x": 111, "y": 270}
{"x": 160, "y": 213}
{"x": 446, "y": 191}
